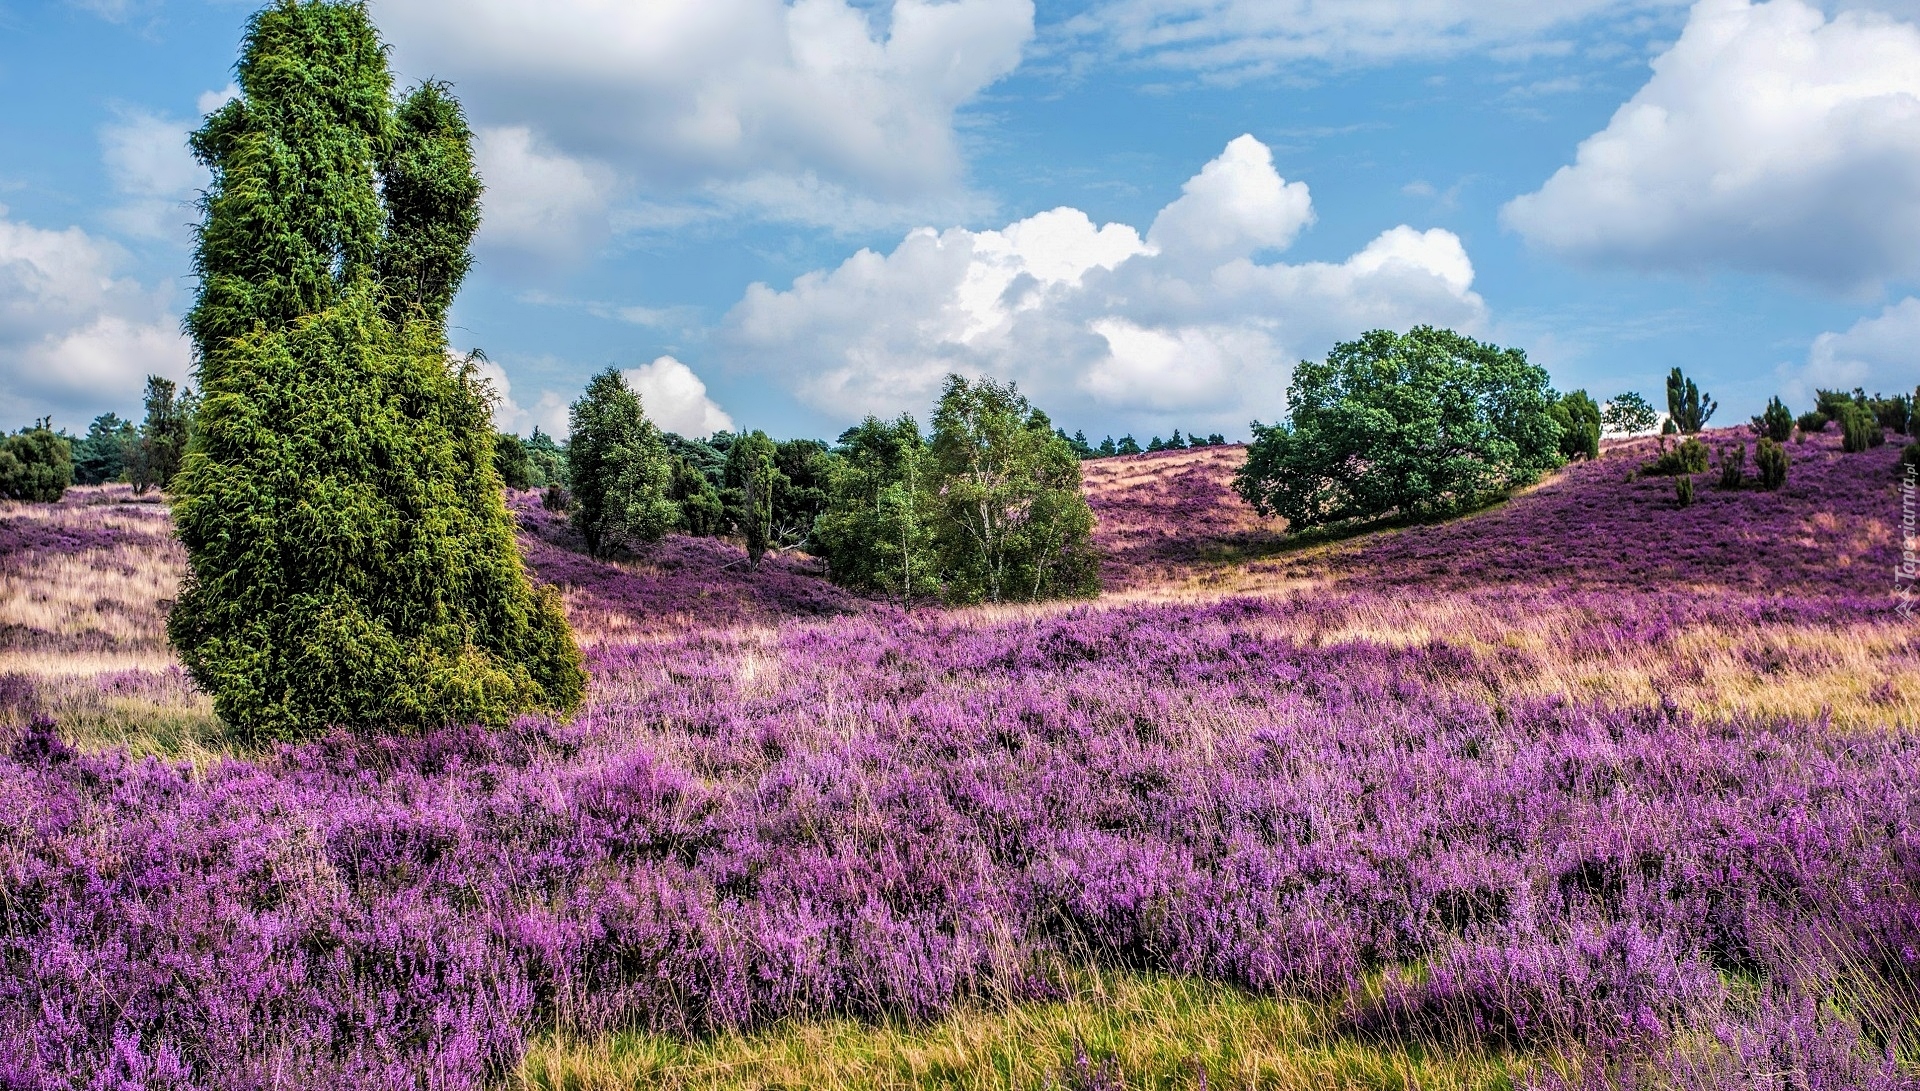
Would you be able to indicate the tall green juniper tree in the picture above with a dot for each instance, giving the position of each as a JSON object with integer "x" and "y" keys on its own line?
{"x": 621, "y": 474}
{"x": 352, "y": 558}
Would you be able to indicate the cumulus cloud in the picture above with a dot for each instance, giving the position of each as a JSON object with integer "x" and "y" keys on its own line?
{"x": 1771, "y": 138}
{"x": 676, "y": 399}
{"x": 805, "y": 109}
{"x": 539, "y": 202}
{"x": 548, "y": 413}
{"x": 1880, "y": 354}
{"x": 148, "y": 162}
{"x": 1240, "y": 38}
{"x": 1102, "y": 326}
{"x": 74, "y": 336}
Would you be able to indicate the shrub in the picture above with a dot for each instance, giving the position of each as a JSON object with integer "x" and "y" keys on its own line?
{"x": 1733, "y": 466}
{"x": 352, "y": 560}
{"x": 547, "y": 458}
{"x": 1858, "y": 429}
{"x": 36, "y": 464}
{"x": 1687, "y": 407}
{"x": 1689, "y": 456}
{"x": 1683, "y": 489}
{"x": 1892, "y": 414}
{"x": 510, "y": 461}
{"x": 1012, "y": 524}
{"x": 1776, "y": 423}
{"x": 1812, "y": 422}
{"x": 751, "y": 481}
{"x": 1770, "y": 464}
{"x": 1629, "y": 415}
{"x": 1909, "y": 463}
{"x": 1579, "y": 421}
{"x": 617, "y": 468}
{"x": 1420, "y": 424}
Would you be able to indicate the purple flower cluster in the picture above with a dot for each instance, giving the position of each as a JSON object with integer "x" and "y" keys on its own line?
{"x": 892, "y": 815}
{"x": 784, "y": 802}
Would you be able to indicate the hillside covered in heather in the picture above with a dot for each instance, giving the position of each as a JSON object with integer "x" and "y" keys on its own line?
{"x": 1583, "y": 787}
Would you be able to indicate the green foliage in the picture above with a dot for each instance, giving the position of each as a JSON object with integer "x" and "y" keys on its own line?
{"x": 1858, "y": 429}
{"x": 1812, "y": 421}
{"x": 1669, "y": 428}
{"x": 1683, "y": 490}
{"x": 352, "y": 560}
{"x": 510, "y": 461}
{"x": 1770, "y": 464}
{"x": 1893, "y": 414}
{"x": 1909, "y": 463}
{"x": 36, "y": 464}
{"x": 618, "y": 468}
{"x": 1128, "y": 445}
{"x": 752, "y": 480}
{"x": 156, "y": 457}
{"x": 1776, "y": 423}
{"x": 1216, "y": 440}
{"x": 800, "y": 490}
{"x": 876, "y": 533}
{"x": 1629, "y": 415}
{"x": 1687, "y": 407}
{"x": 102, "y": 455}
{"x": 1579, "y": 420}
{"x": 1689, "y": 456}
{"x": 547, "y": 459}
{"x": 702, "y": 514}
{"x": 1156, "y": 444}
{"x": 1012, "y": 523}
{"x": 1733, "y": 466}
{"x": 1420, "y": 424}
{"x": 1078, "y": 441}
{"x": 432, "y": 199}
{"x": 1107, "y": 448}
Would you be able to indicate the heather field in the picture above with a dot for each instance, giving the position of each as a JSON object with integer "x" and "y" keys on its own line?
{"x": 1582, "y": 790}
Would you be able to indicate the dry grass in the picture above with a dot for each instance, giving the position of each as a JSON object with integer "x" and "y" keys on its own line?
{"x": 1135, "y": 1031}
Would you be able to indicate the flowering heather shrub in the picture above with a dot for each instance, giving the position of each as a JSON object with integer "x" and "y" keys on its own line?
{"x": 1160, "y": 515}
{"x": 1814, "y": 535}
{"x": 842, "y": 819}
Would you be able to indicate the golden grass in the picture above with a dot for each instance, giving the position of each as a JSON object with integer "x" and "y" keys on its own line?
{"x": 1144, "y": 1031}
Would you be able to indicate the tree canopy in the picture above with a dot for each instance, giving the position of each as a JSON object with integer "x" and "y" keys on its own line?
{"x": 1415, "y": 425}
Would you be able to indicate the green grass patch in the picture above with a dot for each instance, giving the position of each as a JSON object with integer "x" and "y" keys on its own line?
{"x": 1128, "y": 1030}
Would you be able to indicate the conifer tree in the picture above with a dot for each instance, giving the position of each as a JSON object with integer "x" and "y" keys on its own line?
{"x": 352, "y": 559}
{"x": 752, "y": 480}
{"x": 621, "y": 474}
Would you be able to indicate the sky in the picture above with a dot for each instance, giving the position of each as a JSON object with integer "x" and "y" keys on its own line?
{"x": 788, "y": 215}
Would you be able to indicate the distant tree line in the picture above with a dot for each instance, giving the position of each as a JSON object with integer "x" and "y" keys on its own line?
{"x": 39, "y": 463}
{"x": 985, "y": 509}
{"x": 1127, "y": 445}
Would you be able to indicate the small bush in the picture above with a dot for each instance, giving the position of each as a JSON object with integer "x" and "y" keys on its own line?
{"x": 1683, "y": 489}
{"x": 1733, "y": 467}
{"x": 1812, "y": 422}
{"x": 1859, "y": 430}
{"x": 1909, "y": 463}
{"x": 1688, "y": 457}
{"x": 1776, "y": 423}
{"x": 36, "y": 465}
{"x": 1770, "y": 464}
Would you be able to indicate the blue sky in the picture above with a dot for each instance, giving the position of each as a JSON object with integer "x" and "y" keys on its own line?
{"x": 787, "y": 215}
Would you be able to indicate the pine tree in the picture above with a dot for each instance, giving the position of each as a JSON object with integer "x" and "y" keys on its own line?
{"x": 621, "y": 474}
{"x": 352, "y": 559}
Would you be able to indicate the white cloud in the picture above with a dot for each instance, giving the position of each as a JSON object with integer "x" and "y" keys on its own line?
{"x": 802, "y": 109}
{"x": 548, "y": 413}
{"x": 1100, "y": 326}
{"x": 74, "y": 336}
{"x": 1879, "y": 354}
{"x": 1228, "y": 39}
{"x": 676, "y": 399}
{"x": 1770, "y": 138}
{"x": 538, "y": 201}
{"x": 150, "y": 166}
{"x": 1236, "y": 205}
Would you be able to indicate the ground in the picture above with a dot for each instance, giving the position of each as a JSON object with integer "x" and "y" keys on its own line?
{"x": 1586, "y": 786}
